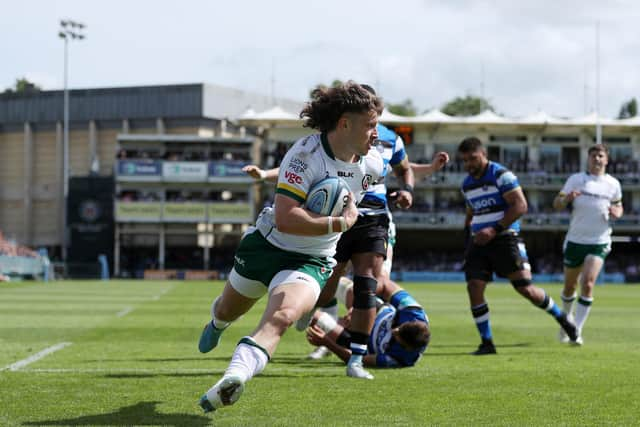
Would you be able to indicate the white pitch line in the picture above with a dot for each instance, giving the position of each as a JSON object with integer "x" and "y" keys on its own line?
{"x": 124, "y": 312}
{"x": 35, "y": 357}
{"x": 157, "y": 297}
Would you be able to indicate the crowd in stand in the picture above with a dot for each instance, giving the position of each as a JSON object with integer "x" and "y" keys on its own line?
{"x": 11, "y": 248}
{"x": 181, "y": 196}
{"x": 618, "y": 168}
{"x": 183, "y": 156}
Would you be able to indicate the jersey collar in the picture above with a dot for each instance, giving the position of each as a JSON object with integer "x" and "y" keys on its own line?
{"x": 326, "y": 146}
{"x": 329, "y": 151}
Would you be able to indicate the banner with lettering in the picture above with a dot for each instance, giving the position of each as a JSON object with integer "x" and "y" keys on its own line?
{"x": 184, "y": 171}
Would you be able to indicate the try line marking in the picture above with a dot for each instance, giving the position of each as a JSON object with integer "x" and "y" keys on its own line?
{"x": 35, "y": 357}
{"x": 162, "y": 293}
{"x": 124, "y": 312}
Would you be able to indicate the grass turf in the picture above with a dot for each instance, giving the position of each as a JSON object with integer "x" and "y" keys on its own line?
{"x": 133, "y": 360}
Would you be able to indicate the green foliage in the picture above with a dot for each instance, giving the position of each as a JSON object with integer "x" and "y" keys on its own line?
{"x": 23, "y": 85}
{"x": 143, "y": 368}
{"x": 467, "y": 106}
{"x": 334, "y": 83}
{"x": 628, "y": 109}
{"x": 405, "y": 108}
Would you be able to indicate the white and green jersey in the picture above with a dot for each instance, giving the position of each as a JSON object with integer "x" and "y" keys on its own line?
{"x": 308, "y": 161}
{"x": 590, "y": 214}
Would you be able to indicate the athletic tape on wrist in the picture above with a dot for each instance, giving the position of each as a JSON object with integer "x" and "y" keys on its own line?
{"x": 343, "y": 224}
{"x": 330, "y": 225}
{"x": 326, "y": 323}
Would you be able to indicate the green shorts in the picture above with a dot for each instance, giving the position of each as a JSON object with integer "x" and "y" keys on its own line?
{"x": 575, "y": 253}
{"x": 260, "y": 266}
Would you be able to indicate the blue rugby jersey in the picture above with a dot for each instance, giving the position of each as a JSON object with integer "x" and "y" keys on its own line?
{"x": 391, "y": 148}
{"x": 402, "y": 308}
{"x": 484, "y": 196}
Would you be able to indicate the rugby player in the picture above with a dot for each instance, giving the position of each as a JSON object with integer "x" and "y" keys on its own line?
{"x": 288, "y": 255}
{"x": 495, "y": 202}
{"x": 596, "y": 197}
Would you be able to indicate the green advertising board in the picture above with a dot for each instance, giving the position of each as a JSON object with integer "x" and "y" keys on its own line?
{"x": 138, "y": 211}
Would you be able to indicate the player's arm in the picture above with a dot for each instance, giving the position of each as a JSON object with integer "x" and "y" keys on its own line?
{"x": 616, "y": 210}
{"x": 563, "y": 199}
{"x": 292, "y": 218}
{"x": 404, "y": 196}
{"x": 258, "y": 174}
{"x": 517, "y": 203}
{"x": 317, "y": 336}
{"x": 567, "y": 194}
{"x": 423, "y": 170}
{"x": 517, "y": 206}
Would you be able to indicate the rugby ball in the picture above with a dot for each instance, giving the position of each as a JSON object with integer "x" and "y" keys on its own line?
{"x": 327, "y": 197}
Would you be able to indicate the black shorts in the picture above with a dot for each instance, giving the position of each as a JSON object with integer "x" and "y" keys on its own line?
{"x": 370, "y": 233}
{"x": 503, "y": 255}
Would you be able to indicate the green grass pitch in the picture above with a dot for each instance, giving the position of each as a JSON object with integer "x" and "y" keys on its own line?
{"x": 132, "y": 359}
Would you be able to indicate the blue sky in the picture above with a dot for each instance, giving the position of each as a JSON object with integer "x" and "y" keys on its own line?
{"x": 525, "y": 56}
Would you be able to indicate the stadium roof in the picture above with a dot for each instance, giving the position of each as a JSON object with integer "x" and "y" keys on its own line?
{"x": 197, "y": 100}
{"x": 278, "y": 115}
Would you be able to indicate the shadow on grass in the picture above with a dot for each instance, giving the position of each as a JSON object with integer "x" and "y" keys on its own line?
{"x": 470, "y": 348}
{"x": 201, "y": 358}
{"x": 140, "y": 414}
{"x": 163, "y": 374}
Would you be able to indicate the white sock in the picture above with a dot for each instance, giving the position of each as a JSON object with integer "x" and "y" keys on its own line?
{"x": 248, "y": 360}
{"x": 567, "y": 303}
{"x": 582, "y": 311}
{"x": 343, "y": 287}
{"x": 219, "y": 324}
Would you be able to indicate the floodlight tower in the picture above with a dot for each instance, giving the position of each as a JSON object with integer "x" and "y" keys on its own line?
{"x": 69, "y": 30}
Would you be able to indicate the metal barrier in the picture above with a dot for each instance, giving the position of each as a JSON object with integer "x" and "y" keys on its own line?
{"x": 19, "y": 266}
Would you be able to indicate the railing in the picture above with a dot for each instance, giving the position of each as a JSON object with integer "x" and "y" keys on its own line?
{"x": 188, "y": 212}
{"x": 529, "y": 180}
{"x": 531, "y": 221}
{"x": 24, "y": 266}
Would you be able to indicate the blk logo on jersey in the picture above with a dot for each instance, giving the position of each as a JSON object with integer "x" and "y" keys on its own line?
{"x": 292, "y": 178}
{"x": 345, "y": 174}
{"x": 366, "y": 181}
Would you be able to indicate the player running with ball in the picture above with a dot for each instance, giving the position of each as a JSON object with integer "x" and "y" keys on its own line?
{"x": 288, "y": 255}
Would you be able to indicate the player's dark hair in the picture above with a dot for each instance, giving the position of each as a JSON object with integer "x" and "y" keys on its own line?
{"x": 415, "y": 334}
{"x": 368, "y": 88}
{"x": 328, "y": 104}
{"x": 599, "y": 147}
{"x": 469, "y": 145}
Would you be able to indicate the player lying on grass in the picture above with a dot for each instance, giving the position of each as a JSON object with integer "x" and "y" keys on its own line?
{"x": 399, "y": 336}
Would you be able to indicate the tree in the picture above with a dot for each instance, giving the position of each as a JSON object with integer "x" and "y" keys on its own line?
{"x": 468, "y": 106}
{"x": 628, "y": 109}
{"x": 405, "y": 108}
{"x": 23, "y": 86}
{"x": 334, "y": 83}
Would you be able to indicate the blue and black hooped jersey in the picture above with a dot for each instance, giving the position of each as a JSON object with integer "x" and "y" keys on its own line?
{"x": 484, "y": 196}
{"x": 391, "y": 148}
{"x": 402, "y": 308}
